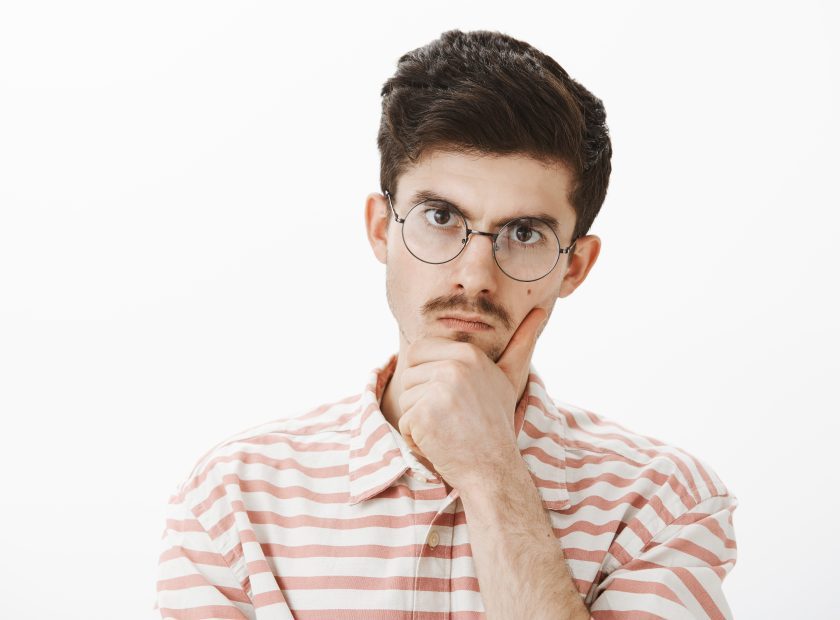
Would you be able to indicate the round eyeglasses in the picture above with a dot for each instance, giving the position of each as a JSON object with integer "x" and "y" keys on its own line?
{"x": 435, "y": 232}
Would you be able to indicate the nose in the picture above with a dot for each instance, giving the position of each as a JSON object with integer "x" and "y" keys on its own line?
{"x": 476, "y": 271}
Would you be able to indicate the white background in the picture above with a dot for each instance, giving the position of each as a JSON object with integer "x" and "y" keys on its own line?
{"x": 182, "y": 256}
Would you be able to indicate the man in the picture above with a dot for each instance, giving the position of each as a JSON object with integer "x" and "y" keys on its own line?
{"x": 453, "y": 486}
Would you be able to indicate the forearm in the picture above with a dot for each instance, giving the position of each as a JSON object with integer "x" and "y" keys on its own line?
{"x": 519, "y": 563}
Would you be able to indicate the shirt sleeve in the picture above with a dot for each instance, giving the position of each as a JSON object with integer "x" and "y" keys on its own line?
{"x": 195, "y": 581}
{"x": 678, "y": 573}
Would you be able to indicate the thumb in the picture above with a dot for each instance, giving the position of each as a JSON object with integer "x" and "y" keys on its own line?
{"x": 516, "y": 358}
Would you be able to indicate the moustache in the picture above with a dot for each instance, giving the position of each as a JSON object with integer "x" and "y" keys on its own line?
{"x": 481, "y": 305}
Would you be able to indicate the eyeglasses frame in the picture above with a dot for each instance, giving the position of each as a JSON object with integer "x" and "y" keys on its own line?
{"x": 469, "y": 231}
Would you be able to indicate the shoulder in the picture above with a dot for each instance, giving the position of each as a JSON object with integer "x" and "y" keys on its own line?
{"x": 599, "y": 447}
{"x": 297, "y": 443}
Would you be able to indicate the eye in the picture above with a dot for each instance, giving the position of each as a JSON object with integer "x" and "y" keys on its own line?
{"x": 440, "y": 217}
{"x": 524, "y": 233}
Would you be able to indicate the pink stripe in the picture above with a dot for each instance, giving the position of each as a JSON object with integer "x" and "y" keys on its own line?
{"x": 222, "y": 525}
{"x": 571, "y": 420}
{"x": 195, "y": 557}
{"x": 371, "y": 441}
{"x": 630, "y": 614}
{"x": 382, "y": 552}
{"x": 599, "y": 421}
{"x": 709, "y": 523}
{"x": 542, "y": 456}
{"x": 599, "y": 458}
{"x": 371, "y": 468}
{"x": 705, "y": 476}
{"x": 384, "y": 521}
{"x": 258, "y": 567}
{"x": 275, "y": 597}
{"x": 532, "y": 430}
{"x": 586, "y": 527}
{"x": 338, "y": 422}
{"x": 271, "y": 439}
{"x": 184, "y": 525}
{"x": 620, "y": 554}
{"x": 584, "y": 555}
{"x": 661, "y": 510}
{"x": 634, "y": 499}
{"x": 293, "y": 492}
{"x": 204, "y": 612}
{"x": 395, "y": 582}
{"x": 384, "y": 614}
{"x": 547, "y": 484}
{"x": 699, "y": 593}
{"x": 645, "y": 587}
{"x": 583, "y": 586}
{"x": 198, "y": 581}
{"x": 618, "y": 481}
{"x": 534, "y": 378}
{"x": 324, "y": 408}
{"x": 369, "y": 410}
{"x": 682, "y": 493}
{"x": 358, "y": 614}
{"x": 695, "y": 550}
{"x": 635, "y": 526}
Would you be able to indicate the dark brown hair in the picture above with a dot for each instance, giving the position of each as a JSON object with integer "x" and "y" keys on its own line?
{"x": 486, "y": 92}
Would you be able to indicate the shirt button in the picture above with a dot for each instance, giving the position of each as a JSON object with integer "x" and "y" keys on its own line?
{"x": 434, "y": 539}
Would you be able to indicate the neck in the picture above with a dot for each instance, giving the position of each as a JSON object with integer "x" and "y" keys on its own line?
{"x": 389, "y": 404}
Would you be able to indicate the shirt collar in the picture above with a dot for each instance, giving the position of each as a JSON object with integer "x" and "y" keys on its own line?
{"x": 379, "y": 455}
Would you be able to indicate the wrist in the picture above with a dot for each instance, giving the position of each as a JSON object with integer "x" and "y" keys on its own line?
{"x": 497, "y": 480}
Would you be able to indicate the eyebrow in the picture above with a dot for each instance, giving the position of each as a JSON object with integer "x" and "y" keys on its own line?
{"x": 425, "y": 194}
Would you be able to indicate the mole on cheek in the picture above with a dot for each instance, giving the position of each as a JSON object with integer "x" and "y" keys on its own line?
{"x": 529, "y": 291}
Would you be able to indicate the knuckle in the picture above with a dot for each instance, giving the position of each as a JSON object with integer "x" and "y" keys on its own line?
{"x": 404, "y": 423}
{"x": 459, "y": 370}
{"x": 472, "y": 354}
{"x": 403, "y": 403}
{"x": 451, "y": 370}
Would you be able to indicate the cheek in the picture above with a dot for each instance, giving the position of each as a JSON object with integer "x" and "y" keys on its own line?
{"x": 395, "y": 282}
{"x": 533, "y": 295}
{"x": 408, "y": 284}
{"x": 540, "y": 290}
{"x": 545, "y": 293}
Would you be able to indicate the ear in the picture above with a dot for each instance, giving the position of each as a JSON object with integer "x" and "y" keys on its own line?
{"x": 581, "y": 261}
{"x": 377, "y": 217}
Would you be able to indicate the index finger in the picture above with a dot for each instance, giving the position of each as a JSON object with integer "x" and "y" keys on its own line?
{"x": 516, "y": 358}
{"x": 436, "y": 348}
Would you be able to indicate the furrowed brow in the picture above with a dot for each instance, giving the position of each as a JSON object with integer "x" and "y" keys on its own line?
{"x": 425, "y": 194}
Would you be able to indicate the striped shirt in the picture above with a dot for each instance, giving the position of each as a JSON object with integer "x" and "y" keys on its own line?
{"x": 329, "y": 515}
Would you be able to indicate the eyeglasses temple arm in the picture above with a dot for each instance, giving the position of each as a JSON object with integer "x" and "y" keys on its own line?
{"x": 393, "y": 210}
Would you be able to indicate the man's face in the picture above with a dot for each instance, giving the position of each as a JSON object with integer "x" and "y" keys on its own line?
{"x": 433, "y": 299}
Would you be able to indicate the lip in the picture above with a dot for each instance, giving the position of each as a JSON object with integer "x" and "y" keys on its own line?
{"x": 465, "y": 323}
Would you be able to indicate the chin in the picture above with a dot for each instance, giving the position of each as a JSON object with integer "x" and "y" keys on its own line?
{"x": 491, "y": 350}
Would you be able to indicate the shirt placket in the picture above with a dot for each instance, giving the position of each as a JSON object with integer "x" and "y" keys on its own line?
{"x": 433, "y": 571}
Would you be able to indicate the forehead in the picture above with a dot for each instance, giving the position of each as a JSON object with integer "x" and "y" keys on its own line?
{"x": 491, "y": 186}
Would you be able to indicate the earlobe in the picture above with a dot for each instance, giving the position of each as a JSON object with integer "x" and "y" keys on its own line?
{"x": 376, "y": 222}
{"x": 581, "y": 262}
